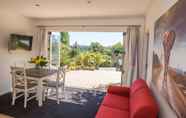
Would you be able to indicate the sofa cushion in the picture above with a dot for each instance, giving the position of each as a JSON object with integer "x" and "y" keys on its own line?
{"x": 116, "y": 101}
{"x": 108, "y": 112}
{"x": 138, "y": 85}
{"x": 123, "y": 91}
{"x": 143, "y": 105}
{"x": 139, "y": 104}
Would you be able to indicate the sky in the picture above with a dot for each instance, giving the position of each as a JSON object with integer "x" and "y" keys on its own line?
{"x": 104, "y": 38}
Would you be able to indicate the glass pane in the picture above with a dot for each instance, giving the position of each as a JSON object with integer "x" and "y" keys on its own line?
{"x": 55, "y": 48}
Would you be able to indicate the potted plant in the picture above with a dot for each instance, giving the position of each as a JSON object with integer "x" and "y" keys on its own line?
{"x": 39, "y": 61}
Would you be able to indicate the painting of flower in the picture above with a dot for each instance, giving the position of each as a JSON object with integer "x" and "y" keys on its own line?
{"x": 169, "y": 65}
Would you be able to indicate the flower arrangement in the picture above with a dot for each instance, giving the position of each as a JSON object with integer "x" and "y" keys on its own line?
{"x": 39, "y": 61}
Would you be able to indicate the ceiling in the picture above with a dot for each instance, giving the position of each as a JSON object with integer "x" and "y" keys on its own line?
{"x": 75, "y": 8}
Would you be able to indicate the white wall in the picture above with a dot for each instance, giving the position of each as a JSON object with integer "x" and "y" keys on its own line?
{"x": 128, "y": 20}
{"x": 11, "y": 23}
{"x": 157, "y": 9}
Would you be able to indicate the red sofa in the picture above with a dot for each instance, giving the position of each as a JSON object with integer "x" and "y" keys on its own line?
{"x": 134, "y": 102}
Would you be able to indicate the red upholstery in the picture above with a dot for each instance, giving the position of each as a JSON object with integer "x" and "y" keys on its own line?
{"x": 109, "y": 112}
{"x": 137, "y": 85}
{"x": 115, "y": 101}
{"x": 123, "y": 91}
{"x": 143, "y": 106}
{"x": 134, "y": 102}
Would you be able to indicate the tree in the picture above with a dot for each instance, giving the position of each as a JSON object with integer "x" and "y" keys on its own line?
{"x": 65, "y": 51}
{"x": 65, "y": 38}
{"x": 75, "y": 50}
{"x": 118, "y": 48}
{"x": 107, "y": 51}
{"x": 65, "y": 48}
{"x": 96, "y": 47}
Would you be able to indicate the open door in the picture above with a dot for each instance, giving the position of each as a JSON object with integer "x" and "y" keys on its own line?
{"x": 54, "y": 49}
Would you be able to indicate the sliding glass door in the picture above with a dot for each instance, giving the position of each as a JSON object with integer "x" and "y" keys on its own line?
{"x": 54, "y": 48}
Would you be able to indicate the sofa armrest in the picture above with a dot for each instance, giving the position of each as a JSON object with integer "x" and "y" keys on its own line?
{"x": 122, "y": 91}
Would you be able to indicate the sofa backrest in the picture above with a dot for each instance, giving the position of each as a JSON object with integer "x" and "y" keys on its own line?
{"x": 137, "y": 85}
{"x": 142, "y": 103}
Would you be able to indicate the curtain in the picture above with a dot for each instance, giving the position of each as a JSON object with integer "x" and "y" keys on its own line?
{"x": 132, "y": 52}
{"x": 40, "y": 42}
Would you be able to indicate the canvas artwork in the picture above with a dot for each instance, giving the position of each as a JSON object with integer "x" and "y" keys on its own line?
{"x": 169, "y": 57}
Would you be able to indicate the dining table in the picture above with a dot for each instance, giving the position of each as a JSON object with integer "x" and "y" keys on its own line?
{"x": 40, "y": 75}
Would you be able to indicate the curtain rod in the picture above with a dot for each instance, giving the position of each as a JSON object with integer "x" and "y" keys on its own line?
{"x": 89, "y": 25}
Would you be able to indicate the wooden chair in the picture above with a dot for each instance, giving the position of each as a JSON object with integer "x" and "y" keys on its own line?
{"x": 22, "y": 85}
{"x": 56, "y": 84}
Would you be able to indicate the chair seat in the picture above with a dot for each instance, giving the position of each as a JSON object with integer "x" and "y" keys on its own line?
{"x": 29, "y": 86}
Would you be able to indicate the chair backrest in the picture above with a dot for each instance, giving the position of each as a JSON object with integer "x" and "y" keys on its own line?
{"x": 29, "y": 65}
{"x": 19, "y": 77}
{"x": 61, "y": 75}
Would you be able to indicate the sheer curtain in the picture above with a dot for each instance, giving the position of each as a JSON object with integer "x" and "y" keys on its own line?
{"x": 131, "y": 58}
{"x": 40, "y": 42}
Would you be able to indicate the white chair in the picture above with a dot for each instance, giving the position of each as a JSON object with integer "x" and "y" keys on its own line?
{"x": 22, "y": 85}
{"x": 56, "y": 83}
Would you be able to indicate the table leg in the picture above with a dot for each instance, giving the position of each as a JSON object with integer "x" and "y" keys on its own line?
{"x": 40, "y": 93}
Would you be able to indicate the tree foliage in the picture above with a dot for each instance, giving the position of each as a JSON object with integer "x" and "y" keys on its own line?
{"x": 65, "y": 38}
{"x": 65, "y": 49}
{"x": 87, "y": 57}
{"x": 96, "y": 47}
{"x": 75, "y": 50}
{"x": 118, "y": 48}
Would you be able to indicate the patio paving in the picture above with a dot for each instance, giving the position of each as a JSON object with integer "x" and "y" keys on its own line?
{"x": 97, "y": 79}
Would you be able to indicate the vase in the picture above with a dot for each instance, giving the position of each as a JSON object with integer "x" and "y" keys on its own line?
{"x": 37, "y": 66}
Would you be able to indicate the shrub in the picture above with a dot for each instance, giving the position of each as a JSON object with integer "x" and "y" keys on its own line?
{"x": 107, "y": 61}
{"x": 90, "y": 61}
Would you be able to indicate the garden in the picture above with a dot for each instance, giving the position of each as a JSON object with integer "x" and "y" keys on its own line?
{"x": 91, "y": 57}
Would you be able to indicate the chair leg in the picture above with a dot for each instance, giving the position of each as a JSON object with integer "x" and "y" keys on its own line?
{"x": 13, "y": 97}
{"x": 45, "y": 94}
{"x": 62, "y": 90}
{"x": 25, "y": 99}
{"x": 57, "y": 95}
